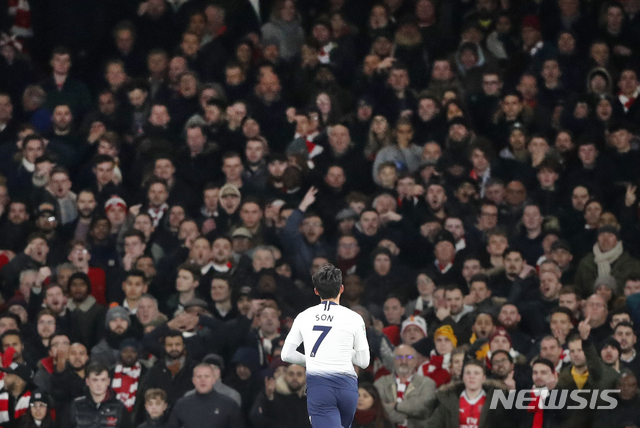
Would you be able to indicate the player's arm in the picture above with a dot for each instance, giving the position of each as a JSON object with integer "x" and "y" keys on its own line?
{"x": 289, "y": 352}
{"x": 361, "y": 354}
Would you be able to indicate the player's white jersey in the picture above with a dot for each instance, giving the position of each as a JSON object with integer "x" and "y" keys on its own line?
{"x": 331, "y": 333}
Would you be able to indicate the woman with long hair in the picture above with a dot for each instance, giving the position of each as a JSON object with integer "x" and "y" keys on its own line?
{"x": 369, "y": 412}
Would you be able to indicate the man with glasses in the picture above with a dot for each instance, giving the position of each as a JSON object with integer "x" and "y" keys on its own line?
{"x": 486, "y": 102}
{"x": 408, "y": 399}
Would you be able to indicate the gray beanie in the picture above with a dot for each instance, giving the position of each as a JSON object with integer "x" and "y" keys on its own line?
{"x": 117, "y": 312}
{"x": 607, "y": 280}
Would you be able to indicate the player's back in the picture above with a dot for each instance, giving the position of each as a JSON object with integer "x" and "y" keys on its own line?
{"x": 329, "y": 333}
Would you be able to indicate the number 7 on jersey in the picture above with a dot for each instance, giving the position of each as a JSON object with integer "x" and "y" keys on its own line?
{"x": 325, "y": 330}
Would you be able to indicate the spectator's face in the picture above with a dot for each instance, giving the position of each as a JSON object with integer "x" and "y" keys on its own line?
{"x": 484, "y": 326}
{"x": 220, "y": 291}
{"x": 40, "y": 250}
{"x": 211, "y": 198}
{"x": 369, "y": 222}
{"x": 86, "y": 204}
{"x": 515, "y": 193}
{"x": 399, "y": 80}
{"x": 118, "y": 325}
{"x": 60, "y": 185}
{"x": 393, "y": 311}
{"x": 60, "y": 343}
{"x": 157, "y": 194}
{"x": 628, "y": 82}
{"x": 159, "y": 116}
{"x": 129, "y": 356}
{"x": 7, "y": 323}
{"x": 263, "y": 259}
{"x": 13, "y": 341}
{"x": 98, "y": 383}
{"x": 513, "y": 263}
{"x": 411, "y": 334}
{"x": 277, "y": 168}
{"x": 626, "y": 338}
{"x": 188, "y": 86}
{"x": 454, "y": 225}
{"x": 232, "y": 168}
{"x": 6, "y": 108}
{"x": 62, "y": 118}
{"x": 147, "y": 311}
{"x": 134, "y": 287}
{"x": 405, "y": 361}
{"x": 501, "y": 366}
{"x": 312, "y": 229}
{"x": 157, "y": 64}
{"x": 221, "y": 251}
{"x": 177, "y": 66}
{"x": 609, "y": 355}
{"x": 203, "y": 379}
{"x": 33, "y": 150}
{"x": 144, "y": 225}
{"x": 425, "y": 285}
{"x": 543, "y": 376}
{"x": 174, "y": 347}
{"x": 471, "y": 267}
{"x": 480, "y": 291}
{"x": 454, "y": 301}
{"x": 18, "y": 213}
{"x": 78, "y": 290}
{"x": 100, "y": 230}
{"x": 254, "y": 151}
{"x": 445, "y": 252}
{"x": 509, "y": 316}
{"x": 596, "y": 309}
{"x": 631, "y": 287}
{"x": 104, "y": 173}
{"x": 382, "y": 264}
{"x": 569, "y": 301}
{"x": 117, "y": 214}
{"x": 577, "y": 354}
{"x": 387, "y": 177}
{"x": 269, "y": 321}
{"x": 628, "y": 387}
{"x": 365, "y": 400}
{"x": 607, "y": 241}
{"x": 436, "y": 197}
{"x": 339, "y": 139}
{"x": 441, "y": 71}
{"x": 511, "y": 106}
{"x": 560, "y": 324}
{"x": 269, "y": 87}
{"x": 46, "y": 326}
{"x": 61, "y": 63}
{"x": 190, "y": 44}
{"x": 78, "y": 356}
{"x": 473, "y": 377}
{"x": 230, "y": 203}
{"x": 133, "y": 246}
{"x": 188, "y": 231}
{"x": 295, "y": 377}
{"x": 348, "y": 248}
{"x": 155, "y": 407}
{"x": 335, "y": 177}
{"x": 195, "y": 140}
{"x": 549, "y": 285}
{"x": 185, "y": 281}
{"x": 251, "y": 214}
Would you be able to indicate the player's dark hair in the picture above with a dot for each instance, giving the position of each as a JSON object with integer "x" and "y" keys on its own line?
{"x": 328, "y": 281}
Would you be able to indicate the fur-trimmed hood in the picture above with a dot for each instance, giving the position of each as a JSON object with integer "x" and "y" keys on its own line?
{"x": 283, "y": 389}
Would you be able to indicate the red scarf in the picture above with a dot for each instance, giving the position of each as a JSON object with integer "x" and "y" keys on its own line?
{"x": 537, "y": 411}
{"x": 365, "y": 417}
{"x": 22, "y": 405}
{"x": 401, "y": 387}
{"x": 125, "y": 384}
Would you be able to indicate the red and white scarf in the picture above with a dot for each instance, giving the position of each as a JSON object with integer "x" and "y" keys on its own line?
{"x": 21, "y": 406}
{"x": 125, "y": 384}
{"x": 402, "y": 388}
{"x": 20, "y": 11}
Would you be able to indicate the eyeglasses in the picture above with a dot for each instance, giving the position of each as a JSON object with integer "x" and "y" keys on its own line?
{"x": 404, "y": 357}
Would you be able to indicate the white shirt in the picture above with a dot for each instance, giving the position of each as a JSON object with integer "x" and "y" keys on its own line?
{"x": 334, "y": 339}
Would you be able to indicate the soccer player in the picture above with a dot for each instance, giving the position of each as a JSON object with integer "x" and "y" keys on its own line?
{"x": 334, "y": 340}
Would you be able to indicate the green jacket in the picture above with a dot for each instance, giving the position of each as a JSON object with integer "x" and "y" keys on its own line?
{"x": 417, "y": 402}
{"x": 447, "y": 411}
{"x": 600, "y": 377}
{"x": 587, "y": 273}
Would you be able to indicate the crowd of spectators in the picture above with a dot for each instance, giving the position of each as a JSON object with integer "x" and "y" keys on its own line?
{"x": 173, "y": 172}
